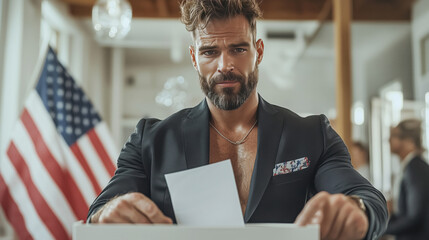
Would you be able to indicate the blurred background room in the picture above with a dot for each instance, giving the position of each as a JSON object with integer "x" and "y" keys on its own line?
{"x": 365, "y": 65}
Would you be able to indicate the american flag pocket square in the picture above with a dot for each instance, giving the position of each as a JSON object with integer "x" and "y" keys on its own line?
{"x": 291, "y": 166}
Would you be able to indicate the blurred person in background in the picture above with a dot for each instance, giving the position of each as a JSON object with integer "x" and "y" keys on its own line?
{"x": 410, "y": 213}
{"x": 360, "y": 159}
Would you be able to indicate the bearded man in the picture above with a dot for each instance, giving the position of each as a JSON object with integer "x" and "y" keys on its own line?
{"x": 287, "y": 168}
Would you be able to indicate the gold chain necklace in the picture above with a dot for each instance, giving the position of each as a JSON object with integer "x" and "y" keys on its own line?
{"x": 233, "y": 142}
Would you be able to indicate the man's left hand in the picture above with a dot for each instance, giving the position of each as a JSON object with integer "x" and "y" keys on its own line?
{"x": 339, "y": 216}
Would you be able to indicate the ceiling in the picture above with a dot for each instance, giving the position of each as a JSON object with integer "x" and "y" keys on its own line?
{"x": 363, "y": 10}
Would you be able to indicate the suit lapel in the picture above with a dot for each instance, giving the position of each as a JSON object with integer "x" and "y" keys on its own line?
{"x": 270, "y": 126}
{"x": 195, "y": 132}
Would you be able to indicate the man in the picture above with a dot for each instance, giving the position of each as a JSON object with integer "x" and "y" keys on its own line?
{"x": 279, "y": 159}
{"x": 410, "y": 218}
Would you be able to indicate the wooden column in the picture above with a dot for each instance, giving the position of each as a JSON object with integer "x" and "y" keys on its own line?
{"x": 342, "y": 19}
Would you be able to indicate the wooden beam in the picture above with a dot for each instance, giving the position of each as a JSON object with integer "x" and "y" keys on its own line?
{"x": 80, "y": 2}
{"x": 382, "y": 10}
{"x": 342, "y": 19}
{"x": 363, "y": 10}
{"x": 322, "y": 18}
{"x": 162, "y": 8}
{"x": 80, "y": 11}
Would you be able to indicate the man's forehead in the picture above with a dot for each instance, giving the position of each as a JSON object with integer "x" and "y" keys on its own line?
{"x": 231, "y": 29}
{"x": 215, "y": 40}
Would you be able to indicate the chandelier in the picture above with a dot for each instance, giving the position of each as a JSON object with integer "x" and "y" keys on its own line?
{"x": 112, "y": 18}
{"x": 174, "y": 94}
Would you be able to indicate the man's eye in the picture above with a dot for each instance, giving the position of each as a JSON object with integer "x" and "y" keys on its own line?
{"x": 239, "y": 50}
{"x": 209, "y": 53}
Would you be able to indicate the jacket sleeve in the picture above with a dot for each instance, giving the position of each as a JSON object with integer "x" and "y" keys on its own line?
{"x": 335, "y": 174}
{"x": 130, "y": 175}
{"x": 416, "y": 183}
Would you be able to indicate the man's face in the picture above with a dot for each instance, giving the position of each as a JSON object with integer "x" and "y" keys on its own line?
{"x": 395, "y": 141}
{"x": 226, "y": 59}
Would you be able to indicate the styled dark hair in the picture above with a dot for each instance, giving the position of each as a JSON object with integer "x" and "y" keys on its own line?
{"x": 196, "y": 14}
{"x": 411, "y": 129}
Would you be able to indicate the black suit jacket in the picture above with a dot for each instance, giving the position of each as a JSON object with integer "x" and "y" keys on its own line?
{"x": 182, "y": 141}
{"x": 412, "y": 220}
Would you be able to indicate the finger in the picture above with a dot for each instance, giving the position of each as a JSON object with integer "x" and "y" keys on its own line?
{"x": 317, "y": 218}
{"x": 345, "y": 233}
{"x": 355, "y": 226}
{"x": 148, "y": 208}
{"x": 315, "y": 204}
{"x": 331, "y": 211}
{"x": 111, "y": 213}
{"x": 339, "y": 222}
{"x": 135, "y": 216}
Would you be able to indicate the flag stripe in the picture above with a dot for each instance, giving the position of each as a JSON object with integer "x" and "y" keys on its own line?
{"x": 42, "y": 208}
{"x": 12, "y": 212}
{"x": 104, "y": 135}
{"x": 46, "y": 126}
{"x": 61, "y": 177}
{"x": 42, "y": 179}
{"x": 78, "y": 175}
{"x": 79, "y": 156}
{"x": 89, "y": 153}
{"x": 108, "y": 164}
{"x": 58, "y": 146}
{"x": 20, "y": 195}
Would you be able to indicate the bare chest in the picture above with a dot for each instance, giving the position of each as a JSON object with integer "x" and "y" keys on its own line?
{"x": 242, "y": 158}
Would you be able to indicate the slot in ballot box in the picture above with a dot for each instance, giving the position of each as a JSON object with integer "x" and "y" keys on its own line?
{"x": 258, "y": 231}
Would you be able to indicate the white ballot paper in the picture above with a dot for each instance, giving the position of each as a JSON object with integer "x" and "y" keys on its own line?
{"x": 206, "y": 196}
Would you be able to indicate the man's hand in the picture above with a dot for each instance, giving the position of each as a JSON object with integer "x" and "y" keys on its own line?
{"x": 339, "y": 216}
{"x": 130, "y": 208}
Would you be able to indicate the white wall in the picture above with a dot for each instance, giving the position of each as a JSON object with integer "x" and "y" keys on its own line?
{"x": 21, "y": 51}
{"x": 381, "y": 54}
{"x": 3, "y": 8}
{"x": 310, "y": 88}
{"x": 149, "y": 82}
{"x": 420, "y": 28}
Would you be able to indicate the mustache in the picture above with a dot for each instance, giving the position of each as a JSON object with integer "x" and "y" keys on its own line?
{"x": 225, "y": 77}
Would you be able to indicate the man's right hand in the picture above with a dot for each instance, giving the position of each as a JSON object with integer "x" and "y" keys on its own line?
{"x": 130, "y": 208}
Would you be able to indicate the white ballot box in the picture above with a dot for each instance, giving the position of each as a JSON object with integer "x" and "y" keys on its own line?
{"x": 83, "y": 231}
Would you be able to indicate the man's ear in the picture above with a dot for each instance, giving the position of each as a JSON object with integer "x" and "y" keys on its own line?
{"x": 192, "y": 53}
{"x": 259, "y": 50}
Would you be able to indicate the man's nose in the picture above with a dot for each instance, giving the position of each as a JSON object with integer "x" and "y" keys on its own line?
{"x": 225, "y": 64}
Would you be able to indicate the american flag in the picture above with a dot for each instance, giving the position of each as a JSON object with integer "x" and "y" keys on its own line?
{"x": 59, "y": 158}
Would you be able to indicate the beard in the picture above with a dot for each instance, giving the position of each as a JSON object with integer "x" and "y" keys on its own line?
{"x": 226, "y": 99}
